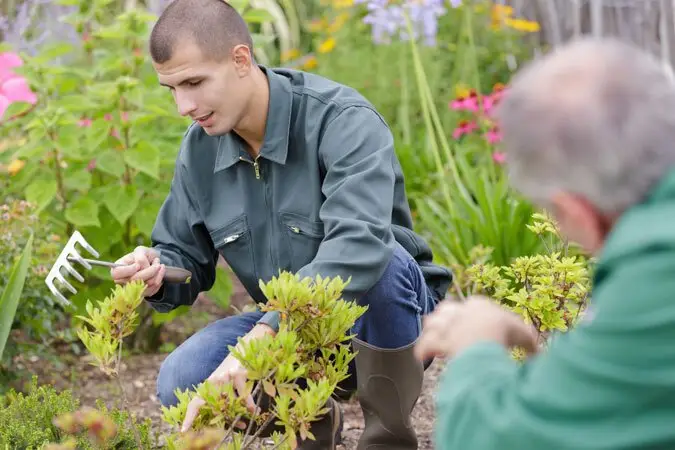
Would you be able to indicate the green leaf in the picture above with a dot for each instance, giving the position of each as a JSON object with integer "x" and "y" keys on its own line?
{"x": 83, "y": 212}
{"x": 146, "y": 215}
{"x": 98, "y": 132}
{"x": 122, "y": 201}
{"x": 144, "y": 157}
{"x": 78, "y": 180}
{"x": 111, "y": 162}
{"x": 51, "y": 51}
{"x": 41, "y": 192}
{"x": 257, "y": 15}
{"x": 12, "y": 293}
{"x": 103, "y": 237}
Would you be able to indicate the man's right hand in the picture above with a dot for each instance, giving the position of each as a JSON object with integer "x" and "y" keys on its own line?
{"x": 142, "y": 264}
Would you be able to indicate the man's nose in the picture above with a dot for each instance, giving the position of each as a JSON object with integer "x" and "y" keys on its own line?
{"x": 185, "y": 104}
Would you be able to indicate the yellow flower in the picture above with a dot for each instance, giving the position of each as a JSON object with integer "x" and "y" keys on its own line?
{"x": 289, "y": 55}
{"x": 327, "y": 46}
{"x": 15, "y": 166}
{"x": 462, "y": 90}
{"x": 342, "y": 4}
{"x": 526, "y": 26}
{"x": 310, "y": 63}
{"x": 337, "y": 23}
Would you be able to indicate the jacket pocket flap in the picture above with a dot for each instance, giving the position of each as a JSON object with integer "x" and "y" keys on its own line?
{"x": 300, "y": 224}
{"x": 230, "y": 232}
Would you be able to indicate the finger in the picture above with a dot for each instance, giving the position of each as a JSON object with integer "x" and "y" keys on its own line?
{"x": 122, "y": 274}
{"x": 239, "y": 381}
{"x": 147, "y": 273}
{"x": 157, "y": 280}
{"x": 527, "y": 338}
{"x": 191, "y": 413}
{"x": 126, "y": 259}
{"x": 142, "y": 257}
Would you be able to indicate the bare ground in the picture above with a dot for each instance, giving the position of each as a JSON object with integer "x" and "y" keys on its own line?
{"x": 140, "y": 371}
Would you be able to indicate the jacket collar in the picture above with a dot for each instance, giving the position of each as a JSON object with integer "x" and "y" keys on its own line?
{"x": 277, "y": 128}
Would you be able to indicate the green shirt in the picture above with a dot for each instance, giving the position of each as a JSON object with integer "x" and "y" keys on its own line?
{"x": 325, "y": 196}
{"x": 607, "y": 384}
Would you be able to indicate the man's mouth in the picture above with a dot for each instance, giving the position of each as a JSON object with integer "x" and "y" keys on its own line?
{"x": 203, "y": 118}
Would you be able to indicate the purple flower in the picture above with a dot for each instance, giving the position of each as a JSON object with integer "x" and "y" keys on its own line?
{"x": 387, "y": 19}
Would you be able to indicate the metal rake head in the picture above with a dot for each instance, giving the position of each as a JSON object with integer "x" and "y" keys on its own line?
{"x": 62, "y": 262}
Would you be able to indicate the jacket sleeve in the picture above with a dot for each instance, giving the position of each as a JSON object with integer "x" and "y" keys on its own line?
{"x": 607, "y": 384}
{"x": 179, "y": 235}
{"x": 357, "y": 150}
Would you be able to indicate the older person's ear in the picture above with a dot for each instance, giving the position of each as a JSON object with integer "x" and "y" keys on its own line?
{"x": 580, "y": 221}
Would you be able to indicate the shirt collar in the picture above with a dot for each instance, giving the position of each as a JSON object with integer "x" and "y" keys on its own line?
{"x": 277, "y": 128}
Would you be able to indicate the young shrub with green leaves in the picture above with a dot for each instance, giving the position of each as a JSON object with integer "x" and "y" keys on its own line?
{"x": 293, "y": 373}
{"x": 549, "y": 290}
{"x": 43, "y": 416}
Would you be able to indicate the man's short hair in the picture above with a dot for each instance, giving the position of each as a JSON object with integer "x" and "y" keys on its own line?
{"x": 213, "y": 25}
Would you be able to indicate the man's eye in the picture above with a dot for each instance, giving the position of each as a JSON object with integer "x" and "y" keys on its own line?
{"x": 194, "y": 83}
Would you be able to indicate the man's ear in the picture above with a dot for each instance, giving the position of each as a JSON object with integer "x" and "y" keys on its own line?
{"x": 242, "y": 59}
{"x": 580, "y": 221}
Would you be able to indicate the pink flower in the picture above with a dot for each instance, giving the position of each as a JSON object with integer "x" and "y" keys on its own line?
{"x": 85, "y": 122}
{"x": 493, "y": 135}
{"x": 464, "y": 127}
{"x": 499, "y": 157}
{"x": 468, "y": 103}
{"x": 13, "y": 88}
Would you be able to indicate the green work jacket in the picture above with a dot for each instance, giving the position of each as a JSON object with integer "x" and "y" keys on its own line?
{"x": 607, "y": 384}
{"x": 325, "y": 196}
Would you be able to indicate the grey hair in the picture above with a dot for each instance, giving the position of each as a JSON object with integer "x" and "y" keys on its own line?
{"x": 595, "y": 118}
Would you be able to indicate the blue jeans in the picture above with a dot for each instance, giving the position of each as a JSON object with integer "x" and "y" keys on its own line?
{"x": 396, "y": 303}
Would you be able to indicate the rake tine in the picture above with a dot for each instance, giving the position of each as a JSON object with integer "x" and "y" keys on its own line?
{"x": 64, "y": 301}
{"x": 71, "y": 270}
{"x": 76, "y": 256}
{"x": 83, "y": 242}
{"x": 65, "y": 282}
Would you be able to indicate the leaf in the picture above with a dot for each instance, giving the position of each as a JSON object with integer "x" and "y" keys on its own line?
{"x": 257, "y": 15}
{"x": 41, "y": 192}
{"x": 78, "y": 180}
{"x": 9, "y": 301}
{"x": 144, "y": 157}
{"x": 51, "y": 51}
{"x": 98, "y": 132}
{"x": 111, "y": 162}
{"x": 122, "y": 201}
{"x": 83, "y": 212}
{"x": 105, "y": 236}
{"x": 268, "y": 386}
{"x": 146, "y": 215}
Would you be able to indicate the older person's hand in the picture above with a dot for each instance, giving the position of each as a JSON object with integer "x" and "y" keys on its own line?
{"x": 453, "y": 327}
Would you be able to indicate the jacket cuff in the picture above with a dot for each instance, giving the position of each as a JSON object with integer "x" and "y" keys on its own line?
{"x": 271, "y": 319}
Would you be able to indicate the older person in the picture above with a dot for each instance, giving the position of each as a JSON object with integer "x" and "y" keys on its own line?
{"x": 589, "y": 132}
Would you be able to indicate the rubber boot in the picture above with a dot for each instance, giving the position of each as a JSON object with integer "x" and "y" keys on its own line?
{"x": 389, "y": 383}
{"x": 327, "y": 430}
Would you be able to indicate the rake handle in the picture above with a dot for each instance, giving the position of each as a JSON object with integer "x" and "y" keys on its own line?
{"x": 171, "y": 274}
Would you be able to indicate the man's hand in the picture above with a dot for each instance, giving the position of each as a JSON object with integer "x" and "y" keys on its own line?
{"x": 453, "y": 327}
{"x": 142, "y": 264}
{"x": 229, "y": 371}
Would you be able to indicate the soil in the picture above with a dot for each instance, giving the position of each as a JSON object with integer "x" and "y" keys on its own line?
{"x": 70, "y": 371}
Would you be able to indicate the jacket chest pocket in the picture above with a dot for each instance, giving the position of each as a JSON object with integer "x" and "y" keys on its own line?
{"x": 233, "y": 241}
{"x": 303, "y": 237}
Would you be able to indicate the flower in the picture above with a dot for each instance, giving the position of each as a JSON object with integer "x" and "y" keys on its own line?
{"x": 15, "y": 166}
{"x": 13, "y": 88}
{"x": 493, "y": 136}
{"x": 464, "y": 127}
{"x": 327, "y": 46}
{"x": 502, "y": 15}
{"x": 499, "y": 157}
{"x": 388, "y": 19}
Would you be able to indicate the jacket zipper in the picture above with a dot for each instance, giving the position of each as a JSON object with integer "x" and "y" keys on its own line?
{"x": 255, "y": 164}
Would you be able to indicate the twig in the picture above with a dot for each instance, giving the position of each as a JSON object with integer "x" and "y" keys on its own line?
{"x": 125, "y": 400}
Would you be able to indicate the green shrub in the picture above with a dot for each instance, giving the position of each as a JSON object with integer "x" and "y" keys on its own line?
{"x": 27, "y": 420}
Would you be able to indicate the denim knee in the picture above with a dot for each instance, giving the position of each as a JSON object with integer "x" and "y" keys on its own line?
{"x": 396, "y": 304}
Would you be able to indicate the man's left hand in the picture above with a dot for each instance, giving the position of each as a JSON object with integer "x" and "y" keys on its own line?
{"x": 453, "y": 327}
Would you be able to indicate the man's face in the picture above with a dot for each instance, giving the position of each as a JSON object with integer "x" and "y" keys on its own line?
{"x": 581, "y": 222}
{"x": 212, "y": 93}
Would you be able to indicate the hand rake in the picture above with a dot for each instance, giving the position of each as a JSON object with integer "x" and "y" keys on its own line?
{"x": 70, "y": 254}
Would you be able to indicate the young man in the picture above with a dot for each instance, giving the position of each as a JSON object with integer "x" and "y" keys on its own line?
{"x": 588, "y": 133}
{"x": 284, "y": 170}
